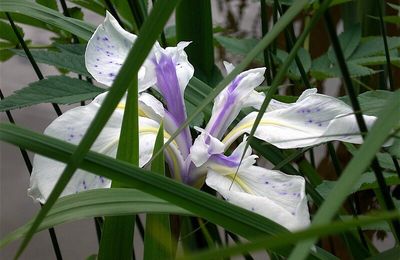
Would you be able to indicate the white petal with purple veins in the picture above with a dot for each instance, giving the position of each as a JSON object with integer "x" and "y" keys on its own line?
{"x": 313, "y": 119}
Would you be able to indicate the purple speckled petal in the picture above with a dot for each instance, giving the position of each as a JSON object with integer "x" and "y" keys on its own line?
{"x": 107, "y": 50}
{"x": 272, "y": 194}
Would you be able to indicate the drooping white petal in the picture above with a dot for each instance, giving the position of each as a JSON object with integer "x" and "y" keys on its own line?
{"x": 70, "y": 127}
{"x": 313, "y": 119}
{"x": 272, "y": 194}
{"x": 107, "y": 50}
{"x": 232, "y": 99}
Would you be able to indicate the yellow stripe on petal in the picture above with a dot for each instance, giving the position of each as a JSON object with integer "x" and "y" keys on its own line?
{"x": 249, "y": 125}
{"x": 236, "y": 179}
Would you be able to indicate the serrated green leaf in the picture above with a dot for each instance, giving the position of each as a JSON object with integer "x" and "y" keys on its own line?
{"x": 239, "y": 46}
{"x": 348, "y": 40}
{"x": 322, "y": 68}
{"x": 62, "y": 60}
{"x": 371, "y": 46}
{"x": 366, "y": 182}
{"x": 371, "y": 102}
{"x": 55, "y": 89}
{"x": 376, "y": 60}
{"x": 293, "y": 71}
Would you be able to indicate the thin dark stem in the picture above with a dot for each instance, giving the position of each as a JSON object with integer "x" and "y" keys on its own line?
{"x": 28, "y": 164}
{"x": 66, "y": 13}
{"x": 98, "y": 222}
{"x": 136, "y": 12}
{"x": 140, "y": 227}
{"x": 396, "y": 165}
{"x": 30, "y": 58}
{"x": 385, "y": 43}
{"x": 355, "y": 210}
{"x": 360, "y": 119}
{"x": 24, "y": 153}
{"x": 264, "y": 28}
{"x": 312, "y": 158}
{"x": 290, "y": 39}
{"x": 113, "y": 12}
{"x": 163, "y": 39}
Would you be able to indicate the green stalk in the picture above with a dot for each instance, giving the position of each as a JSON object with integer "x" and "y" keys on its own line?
{"x": 157, "y": 239}
{"x": 388, "y": 201}
{"x": 117, "y": 239}
{"x": 194, "y": 23}
{"x": 142, "y": 46}
{"x": 290, "y": 38}
{"x": 387, "y": 54}
{"x": 267, "y": 54}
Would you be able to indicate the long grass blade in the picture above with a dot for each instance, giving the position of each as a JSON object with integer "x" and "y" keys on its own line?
{"x": 271, "y": 242}
{"x": 157, "y": 240}
{"x": 117, "y": 239}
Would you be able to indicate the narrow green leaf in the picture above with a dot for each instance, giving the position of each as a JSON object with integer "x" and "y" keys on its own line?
{"x": 97, "y": 203}
{"x": 197, "y": 14}
{"x": 49, "y": 16}
{"x": 374, "y": 140}
{"x": 93, "y": 5}
{"x": 157, "y": 239}
{"x": 63, "y": 60}
{"x": 276, "y": 241}
{"x": 55, "y": 89}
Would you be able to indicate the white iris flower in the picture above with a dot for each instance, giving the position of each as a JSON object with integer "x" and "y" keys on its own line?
{"x": 313, "y": 119}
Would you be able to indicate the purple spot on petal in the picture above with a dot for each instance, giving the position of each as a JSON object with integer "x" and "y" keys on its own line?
{"x": 98, "y": 38}
{"x": 95, "y": 66}
{"x": 266, "y": 182}
{"x": 98, "y": 59}
{"x": 273, "y": 186}
{"x": 252, "y": 209}
{"x": 310, "y": 121}
{"x": 105, "y": 38}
